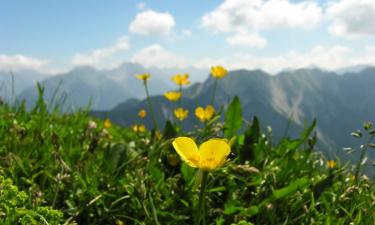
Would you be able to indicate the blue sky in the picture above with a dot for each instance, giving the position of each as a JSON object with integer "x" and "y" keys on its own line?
{"x": 53, "y": 36}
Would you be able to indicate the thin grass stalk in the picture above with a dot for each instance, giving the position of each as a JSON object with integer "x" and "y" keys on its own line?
{"x": 214, "y": 93}
{"x": 150, "y": 107}
{"x": 180, "y": 100}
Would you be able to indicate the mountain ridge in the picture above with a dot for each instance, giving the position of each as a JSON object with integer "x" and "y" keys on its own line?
{"x": 286, "y": 102}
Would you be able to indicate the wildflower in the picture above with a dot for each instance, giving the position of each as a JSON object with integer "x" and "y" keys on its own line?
{"x": 119, "y": 222}
{"x": 139, "y": 128}
{"x": 181, "y": 79}
{"x": 92, "y": 125}
{"x": 218, "y": 72}
{"x": 181, "y": 113}
{"x": 107, "y": 123}
{"x": 143, "y": 77}
{"x": 173, "y": 95}
{"x": 142, "y": 113}
{"x": 331, "y": 164}
{"x": 210, "y": 155}
{"x": 204, "y": 114}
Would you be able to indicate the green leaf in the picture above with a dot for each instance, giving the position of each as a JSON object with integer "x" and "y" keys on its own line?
{"x": 293, "y": 145}
{"x": 232, "y": 207}
{"x": 156, "y": 174}
{"x": 233, "y": 118}
{"x": 248, "y": 150}
{"x": 169, "y": 130}
{"x": 251, "y": 211}
{"x": 357, "y": 134}
{"x": 187, "y": 172}
{"x": 290, "y": 189}
{"x": 217, "y": 189}
{"x": 308, "y": 131}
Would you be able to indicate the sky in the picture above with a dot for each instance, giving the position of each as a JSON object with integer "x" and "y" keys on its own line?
{"x": 273, "y": 35}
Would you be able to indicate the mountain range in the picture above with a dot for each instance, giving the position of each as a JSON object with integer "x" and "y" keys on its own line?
{"x": 104, "y": 89}
{"x": 287, "y": 102}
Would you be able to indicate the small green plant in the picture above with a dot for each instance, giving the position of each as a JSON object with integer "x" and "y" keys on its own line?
{"x": 14, "y": 207}
{"x": 367, "y": 135}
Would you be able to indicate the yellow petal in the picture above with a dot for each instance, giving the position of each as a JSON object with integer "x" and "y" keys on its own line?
{"x": 200, "y": 114}
{"x": 218, "y": 71}
{"x": 213, "y": 153}
{"x": 173, "y": 95}
{"x": 209, "y": 112}
{"x": 142, "y": 113}
{"x": 107, "y": 123}
{"x": 143, "y": 77}
{"x": 188, "y": 150}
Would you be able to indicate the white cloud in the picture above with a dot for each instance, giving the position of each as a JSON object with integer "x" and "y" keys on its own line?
{"x": 352, "y": 18}
{"x": 17, "y": 62}
{"x": 157, "y": 56}
{"x": 141, "y": 5}
{"x": 246, "y": 39}
{"x": 234, "y": 15}
{"x": 330, "y": 58}
{"x": 98, "y": 56}
{"x": 150, "y": 22}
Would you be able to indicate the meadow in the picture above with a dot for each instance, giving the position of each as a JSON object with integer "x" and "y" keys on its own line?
{"x": 71, "y": 168}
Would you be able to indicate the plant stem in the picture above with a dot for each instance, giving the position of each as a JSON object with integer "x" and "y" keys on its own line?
{"x": 201, "y": 204}
{"x": 214, "y": 92}
{"x": 154, "y": 213}
{"x": 363, "y": 155}
{"x": 180, "y": 100}
{"x": 150, "y": 107}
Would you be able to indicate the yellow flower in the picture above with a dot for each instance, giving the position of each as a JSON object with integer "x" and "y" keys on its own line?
{"x": 331, "y": 164}
{"x": 107, "y": 123}
{"x": 142, "y": 113}
{"x": 204, "y": 114}
{"x": 173, "y": 95}
{"x": 181, "y": 79}
{"x": 181, "y": 113}
{"x": 218, "y": 72}
{"x": 119, "y": 222}
{"x": 139, "y": 128}
{"x": 143, "y": 77}
{"x": 210, "y": 155}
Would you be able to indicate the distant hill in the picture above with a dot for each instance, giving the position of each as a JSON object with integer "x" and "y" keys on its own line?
{"x": 12, "y": 83}
{"x": 104, "y": 88}
{"x": 340, "y": 103}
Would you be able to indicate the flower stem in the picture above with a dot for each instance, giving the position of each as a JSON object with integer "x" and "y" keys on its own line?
{"x": 150, "y": 107}
{"x": 180, "y": 100}
{"x": 201, "y": 205}
{"x": 213, "y": 93}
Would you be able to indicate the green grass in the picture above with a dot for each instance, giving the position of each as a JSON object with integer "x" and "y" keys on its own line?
{"x": 67, "y": 168}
